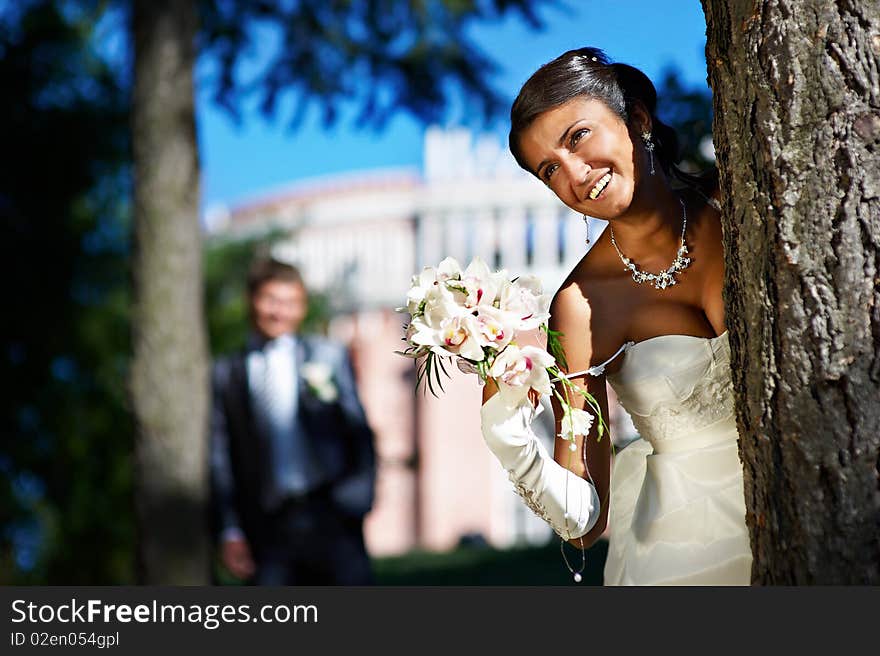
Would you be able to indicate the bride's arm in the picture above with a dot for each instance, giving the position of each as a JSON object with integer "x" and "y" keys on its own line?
{"x": 570, "y": 314}
{"x": 556, "y": 488}
{"x": 569, "y": 504}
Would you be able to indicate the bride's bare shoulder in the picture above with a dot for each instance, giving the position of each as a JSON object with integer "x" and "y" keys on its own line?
{"x": 570, "y": 305}
{"x": 576, "y": 311}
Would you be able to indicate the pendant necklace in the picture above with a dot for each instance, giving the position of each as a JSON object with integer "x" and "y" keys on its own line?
{"x": 665, "y": 278}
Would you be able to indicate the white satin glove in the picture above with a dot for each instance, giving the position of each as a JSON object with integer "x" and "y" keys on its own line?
{"x": 563, "y": 499}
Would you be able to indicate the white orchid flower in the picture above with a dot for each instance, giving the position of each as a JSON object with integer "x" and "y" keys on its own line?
{"x": 449, "y": 269}
{"x": 441, "y": 303}
{"x": 446, "y": 327}
{"x": 517, "y": 370}
{"x": 526, "y": 299}
{"x": 423, "y": 334}
{"x": 480, "y": 284}
{"x": 499, "y": 279}
{"x": 419, "y": 286}
{"x": 460, "y": 336}
{"x": 440, "y": 306}
{"x": 575, "y": 422}
{"x": 497, "y": 328}
{"x": 477, "y": 269}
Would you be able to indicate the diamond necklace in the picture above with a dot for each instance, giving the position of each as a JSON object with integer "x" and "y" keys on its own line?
{"x": 665, "y": 278}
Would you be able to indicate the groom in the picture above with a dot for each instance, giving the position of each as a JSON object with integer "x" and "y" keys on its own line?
{"x": 292, "y": 460}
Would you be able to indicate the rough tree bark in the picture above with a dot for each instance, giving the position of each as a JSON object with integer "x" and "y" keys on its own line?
{"x": 797, "y": 131}
{"x": 169, "y": 377}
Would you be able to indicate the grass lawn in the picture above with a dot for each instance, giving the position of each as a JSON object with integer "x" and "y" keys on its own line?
{"x": 474, "y": 565}
{"x": 480, "y": 565}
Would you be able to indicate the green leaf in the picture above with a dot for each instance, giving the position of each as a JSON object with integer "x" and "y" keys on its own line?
{"x": 428, "y": 363}
{"x": 431, "y": 367}
{"x": 458, "y": 288}
{"x": 420, "y": 370}
{"x": 554, "y": 346}
{"x": 446, "y": 373}
{"x": 438, "y": 365}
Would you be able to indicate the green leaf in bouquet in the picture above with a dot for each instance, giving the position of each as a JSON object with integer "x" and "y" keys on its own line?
{"x": 554, "y": 346}
{"x": 443, "y": 368}
{"x": 433, "y": 376}
{"x": 429, "y": 367}
{"x": 410, "y": 352}
{"x": 457, "y": 287}
{"x": 431, "y": 372}
{"x": 483, "y": 370}
{"x": 421, "y": 367}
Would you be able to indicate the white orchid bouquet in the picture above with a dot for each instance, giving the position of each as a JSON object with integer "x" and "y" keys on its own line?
{"x": 474, "y": 316}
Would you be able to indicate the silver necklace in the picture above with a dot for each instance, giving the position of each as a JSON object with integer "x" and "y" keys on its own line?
{"x": 576, "y": 575}
{"x": 665, "y": 278}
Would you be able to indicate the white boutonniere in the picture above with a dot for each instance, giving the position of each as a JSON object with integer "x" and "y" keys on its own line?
{"x": 319, "y": 379}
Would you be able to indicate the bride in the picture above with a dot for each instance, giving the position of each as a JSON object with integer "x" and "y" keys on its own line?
{"x": 643, "y": 310}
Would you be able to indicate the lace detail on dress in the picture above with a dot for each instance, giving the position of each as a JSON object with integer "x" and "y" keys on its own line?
{"x": 530, "y": 497}
{"x": 708, "y": 402}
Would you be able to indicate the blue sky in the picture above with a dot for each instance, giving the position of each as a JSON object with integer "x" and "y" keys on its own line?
{"x": 243, "y": 161}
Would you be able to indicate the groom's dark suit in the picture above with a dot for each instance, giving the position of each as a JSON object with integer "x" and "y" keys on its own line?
{"x": 312, "y": 536}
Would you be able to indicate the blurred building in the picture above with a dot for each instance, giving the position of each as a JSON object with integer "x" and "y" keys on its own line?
{"x": 360, "y": 237}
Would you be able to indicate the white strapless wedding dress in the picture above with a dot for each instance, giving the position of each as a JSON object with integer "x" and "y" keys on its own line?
{"x": 677, "y": 514}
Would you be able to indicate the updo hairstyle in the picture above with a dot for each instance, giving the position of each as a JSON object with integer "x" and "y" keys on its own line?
{"x": 587, "y": 72}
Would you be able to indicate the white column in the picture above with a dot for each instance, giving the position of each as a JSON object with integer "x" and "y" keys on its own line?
{"x": 343, "y": 269}
{"x": 512, "y": 238}
{"x": 367, "y": 243}
{"x": 330, "y": 257}
{"x": 402, "y": 261}
{"x": 457, "y": 236}
{"x": 305, "y": 249}
{"x": 575, "y": 234}
{"x": 430, "y": 240}
{"x": 484, "y": 235}
{"x": 546, "y": 254}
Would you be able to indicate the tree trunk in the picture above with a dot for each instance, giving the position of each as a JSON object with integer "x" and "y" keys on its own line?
{"x": 169, "y": 381}
{"x": 797, "y": 132}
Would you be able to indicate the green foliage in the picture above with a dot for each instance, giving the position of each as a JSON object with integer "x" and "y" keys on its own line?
{"x": 431, "y": 369}
{"x": 226, "y": 264}
{"x": 689, "y": 111}
{"x": 554, "y": 346}
{"x": 415, "y": 54}
{"x": 65, "y": 467}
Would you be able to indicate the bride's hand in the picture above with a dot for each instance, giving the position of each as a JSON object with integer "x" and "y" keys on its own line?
{"x": 490, "y": 389}
{"x": 534, "y": 397}
{"x": 568, "y": 502}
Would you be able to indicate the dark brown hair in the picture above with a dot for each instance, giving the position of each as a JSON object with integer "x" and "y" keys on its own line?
{"x": 588, "y": 72}
{"x": 266, "y": 269}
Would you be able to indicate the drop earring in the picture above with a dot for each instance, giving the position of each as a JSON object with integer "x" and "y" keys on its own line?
{"x": 587, "y": 226}
{"x": 649, "y": 146}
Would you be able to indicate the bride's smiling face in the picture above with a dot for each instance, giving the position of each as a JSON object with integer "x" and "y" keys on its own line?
{"x": 584, "y": 152}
